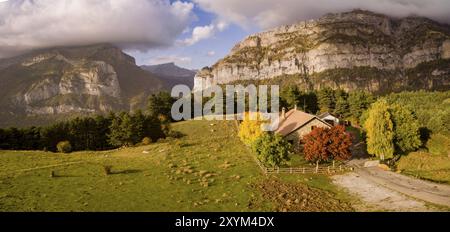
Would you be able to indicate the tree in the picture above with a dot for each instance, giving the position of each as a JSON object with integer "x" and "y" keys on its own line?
{"x": 290, "y": 97}
{"x": 324, "y": 144}
{"x": 380, "y": 131}
{"x": 342, "y": 107}
{"x": 359, "y": 102}
{"x": 64, "y": 147}
{"x": 121, "y": 131}
{"x": 326, "y": 100}
{"x": 316, "y": 146}
{"x": 309, "y": 102}
{"x": 306, "y": 101}
{"x": 340, "y": 143}
{"x": 250, "y": 130}
{"x": 272, "y": 150}
{"x": 406, "y": 129}
{"x": 161, "y": 104}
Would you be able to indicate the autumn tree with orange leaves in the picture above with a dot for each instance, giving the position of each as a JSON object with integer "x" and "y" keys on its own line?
{"x": 323, "y": 145}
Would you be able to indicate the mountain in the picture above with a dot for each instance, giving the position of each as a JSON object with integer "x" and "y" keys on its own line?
{"x": 172, "y": 74}
{"x": 353, "y": 50}
{"x": 72, "y": 80}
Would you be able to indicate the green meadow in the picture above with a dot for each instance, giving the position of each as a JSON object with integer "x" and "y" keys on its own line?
{"x": 208, "y": 169}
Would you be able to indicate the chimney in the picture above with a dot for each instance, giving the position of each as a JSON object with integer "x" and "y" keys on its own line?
{"x": 283, "y": 113}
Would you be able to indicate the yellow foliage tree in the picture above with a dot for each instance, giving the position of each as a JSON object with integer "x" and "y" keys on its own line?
{"x": 380, "y": 131}
{"x": 250, "y": 129}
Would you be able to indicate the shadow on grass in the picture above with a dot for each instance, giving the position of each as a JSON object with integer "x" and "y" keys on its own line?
{"x": 125, "y": 172}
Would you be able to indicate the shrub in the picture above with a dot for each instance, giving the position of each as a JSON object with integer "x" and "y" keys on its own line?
{"x": 175, "y": 134}
{"x": 64, "y": 147}
{"x": 439, "y": 145}
{"x": 107, "y": 169}
{"x": 146, "y": 141}
{"x": 272, "y": 150}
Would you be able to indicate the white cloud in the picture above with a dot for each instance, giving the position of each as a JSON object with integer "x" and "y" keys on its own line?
{"x": 137, "y": 24}
{"x": 204, "y": 32}
{"x": 178, "y": 60}
{"x": 268, "y": 13}
{"x": 200, "y": 33}
{"x": 211, "y": 53}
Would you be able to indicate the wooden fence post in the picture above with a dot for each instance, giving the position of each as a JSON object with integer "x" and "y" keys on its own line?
{"x": 303, "y": 170}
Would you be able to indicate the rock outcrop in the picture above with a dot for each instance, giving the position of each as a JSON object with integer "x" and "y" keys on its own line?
{"x": 388, "y": 54}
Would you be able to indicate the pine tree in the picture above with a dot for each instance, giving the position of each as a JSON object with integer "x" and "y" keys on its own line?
{"x": 291, "y": 97}
{"x": 359, "y": 102}
{"x": 161, "y": 104}
{"x": 326, "y": 100}
{"x": 126, "y": 128}
{"x": 342, "y": 106}
{"x": 115, "y": 136}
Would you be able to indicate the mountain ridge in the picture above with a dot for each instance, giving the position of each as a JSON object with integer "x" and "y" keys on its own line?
{"x": 172, "y": 74}
{"x": 68, "y": 80}
{"x": 355, "y": 50}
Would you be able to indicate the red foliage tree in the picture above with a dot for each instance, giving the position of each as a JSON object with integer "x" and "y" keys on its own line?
{"x": 340, "y": 145}
{"x": 316, "y": 144}
{"x": 324, "y": 144}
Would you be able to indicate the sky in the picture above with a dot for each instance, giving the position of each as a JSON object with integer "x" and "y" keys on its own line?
{"x": 191, "y": 33}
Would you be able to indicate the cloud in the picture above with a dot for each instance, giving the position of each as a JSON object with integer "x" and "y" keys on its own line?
{"x": 204, "y": 32}
{"x": 211, "y": 53}
{"x": 137, "y": 24}
{"x": 178, "y": 60}
{"x": 199, "y": 33}
{"x": 268, "y": 13}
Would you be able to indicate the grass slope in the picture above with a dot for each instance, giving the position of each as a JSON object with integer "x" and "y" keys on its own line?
{"x": 207, "y": 170}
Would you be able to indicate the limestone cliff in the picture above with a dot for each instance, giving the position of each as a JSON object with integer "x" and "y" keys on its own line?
{"x": 354, "y": 50}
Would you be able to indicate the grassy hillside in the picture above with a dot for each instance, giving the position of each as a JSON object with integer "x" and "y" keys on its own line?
{"x": 207, "y": 170}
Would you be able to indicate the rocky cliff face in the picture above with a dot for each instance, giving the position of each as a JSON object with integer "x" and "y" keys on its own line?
{"x": 326, "y": 52}
{"x": 92, "y": 79}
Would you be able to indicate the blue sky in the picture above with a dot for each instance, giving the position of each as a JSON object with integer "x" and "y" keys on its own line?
{"x": 206, "y": 52}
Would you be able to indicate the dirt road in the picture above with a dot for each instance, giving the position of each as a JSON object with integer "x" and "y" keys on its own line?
{"x": 384, "y": 190}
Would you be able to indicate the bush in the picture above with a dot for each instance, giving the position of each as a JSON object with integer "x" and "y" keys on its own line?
{"x": 64, "y": 147}
{"x": 175, "y": 134}
{"x": 439, "y": 145}
{"x": 272, "y": 150}
{"x": 107, "y": 169}
{"x": 146, "y": 141}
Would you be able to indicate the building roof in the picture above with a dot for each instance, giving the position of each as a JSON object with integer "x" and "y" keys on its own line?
{"x": 294, "y": 120}
{"x": 326, "y": 114}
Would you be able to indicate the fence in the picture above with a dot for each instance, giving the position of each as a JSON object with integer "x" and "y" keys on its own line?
{"x": 330, "y": 170}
